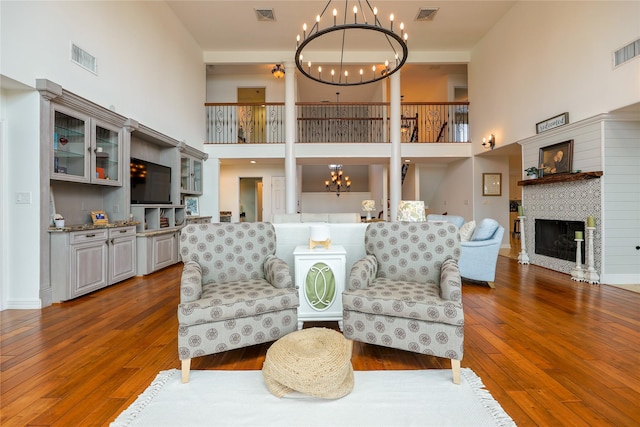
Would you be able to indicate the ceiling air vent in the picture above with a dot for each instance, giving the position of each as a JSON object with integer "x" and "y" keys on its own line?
{"x": 426, "y": 13}
{"x": 265, "y": 14}
{"x": 627, "y": 53}
{"x": 84, "y": 59}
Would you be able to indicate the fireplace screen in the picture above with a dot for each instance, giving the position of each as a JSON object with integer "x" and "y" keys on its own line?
{"x": 556, "y": 238}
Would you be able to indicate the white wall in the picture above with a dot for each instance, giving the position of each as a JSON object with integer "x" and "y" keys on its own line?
{"x": 149, "y": 67}
{"x": 22, "y": 231}
{"x": 331, "y": 203}
{"x": 455, "y": 192}
{"x": 230, "y": 186}
{"x": 621, "y": 198}
{"x": 224, "y": 88}
{"x": 546, "y": 58}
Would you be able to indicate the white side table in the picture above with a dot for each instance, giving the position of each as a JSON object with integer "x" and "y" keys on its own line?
{"x": 320, "y": 279}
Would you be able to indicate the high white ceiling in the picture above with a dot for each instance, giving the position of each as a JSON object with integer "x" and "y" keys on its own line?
{"x": 224, "y": 29}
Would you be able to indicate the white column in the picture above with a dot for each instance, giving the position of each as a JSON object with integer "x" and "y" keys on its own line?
{"x": 395, "y": 160}
{"x": 290, "y": 136}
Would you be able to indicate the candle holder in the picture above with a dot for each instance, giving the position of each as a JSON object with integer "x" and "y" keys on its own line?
{"x": 577, "y": 273}
{"x": 591, "y": 275}
{"x": 523, "y": 256}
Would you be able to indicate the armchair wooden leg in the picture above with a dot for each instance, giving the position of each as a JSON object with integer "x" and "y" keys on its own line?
{"x": 491, "y": 285}
{"x": 186, "y": 367}
{"x": 455, "y": 367}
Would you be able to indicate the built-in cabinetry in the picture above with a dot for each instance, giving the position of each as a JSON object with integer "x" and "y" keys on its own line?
{"x": 191, "y": 161}
{"x": 158, "y": 235}
{"x": 190, "y": 175}
{"x": 87, "y": 260}
{"x": 85, "y": 149}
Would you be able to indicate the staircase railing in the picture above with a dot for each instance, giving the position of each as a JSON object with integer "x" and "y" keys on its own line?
{"x": 336, "y": 122}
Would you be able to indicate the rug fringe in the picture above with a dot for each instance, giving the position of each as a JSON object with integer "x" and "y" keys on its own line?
{"x": 136, "y": 408}
{"x": 487, "y": 400}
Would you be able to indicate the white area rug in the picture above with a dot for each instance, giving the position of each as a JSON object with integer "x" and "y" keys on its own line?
{"x": 379, "y": 398}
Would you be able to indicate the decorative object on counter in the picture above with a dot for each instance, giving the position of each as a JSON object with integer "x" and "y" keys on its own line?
{"x": 577, "y": 273}
{"x": 99, "y": 218}
{"x": 556, "y": 158}
{"x": 368, "y": 206}
{"x": 58, "y": 219}
{"x": 192, "y": 207}
{"x": 319, "y": 235}
{"x": 532, "y": 172}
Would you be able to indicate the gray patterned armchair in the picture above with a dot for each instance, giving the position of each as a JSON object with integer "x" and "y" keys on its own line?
{"x": 406, "y": 293}
{"x": 234, "y": 291}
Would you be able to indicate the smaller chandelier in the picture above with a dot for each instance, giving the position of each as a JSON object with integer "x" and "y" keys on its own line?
{"x": 278, "y": 71}
{"x": 338, "y": 182}
{"x": 353, "y": 31}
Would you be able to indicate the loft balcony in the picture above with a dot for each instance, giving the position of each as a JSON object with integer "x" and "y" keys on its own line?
{"x": 336, "y": 122}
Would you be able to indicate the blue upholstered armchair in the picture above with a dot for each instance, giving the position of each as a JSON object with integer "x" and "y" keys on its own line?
{"x": 234, "y": 291}
{"x": 406, "y": 292}
{"x": 480, "y": 246}
{"x": 480, "y": 254}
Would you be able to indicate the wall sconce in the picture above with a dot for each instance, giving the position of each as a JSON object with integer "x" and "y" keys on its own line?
{"x": 490, "y": 143}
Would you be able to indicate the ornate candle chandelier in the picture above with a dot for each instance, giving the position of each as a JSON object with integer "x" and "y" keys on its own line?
{"x": 337, "y": 182}
{"x": 328, "y": 54}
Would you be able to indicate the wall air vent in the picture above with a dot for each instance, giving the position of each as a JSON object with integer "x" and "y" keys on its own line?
{"x": 84, "y": 59}
{"x": 426, "y": 13}
{"x": 265, "y": 14}
{"x": 627, "y": 53}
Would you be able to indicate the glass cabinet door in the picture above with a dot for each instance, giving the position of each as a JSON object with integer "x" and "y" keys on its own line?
{"x": 197, "y": 176}
{"x": 185, "y": 174}
{"x": 107, "y": 155}
{"x": 70, "y": 146}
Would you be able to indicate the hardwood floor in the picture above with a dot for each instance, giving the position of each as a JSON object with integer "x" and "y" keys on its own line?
{"x": 551, "y": 351}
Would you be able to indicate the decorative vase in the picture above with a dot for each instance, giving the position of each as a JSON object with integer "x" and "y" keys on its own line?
{"x": 368, "y": 215}
{"x": 59, "y": 223}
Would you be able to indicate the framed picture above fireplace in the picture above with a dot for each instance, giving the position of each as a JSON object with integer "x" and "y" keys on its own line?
{"x": 557, "y": 158}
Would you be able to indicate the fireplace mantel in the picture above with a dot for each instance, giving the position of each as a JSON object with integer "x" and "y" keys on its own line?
{"x": 566, "y": 177}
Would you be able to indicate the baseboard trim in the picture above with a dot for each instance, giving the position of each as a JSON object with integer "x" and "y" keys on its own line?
{"x": 23, "y": 304}
{"x": 620, "y": 279}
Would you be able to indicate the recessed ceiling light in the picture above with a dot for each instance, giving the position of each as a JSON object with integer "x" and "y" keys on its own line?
{"x": 252, "y": 162}
{"x": 407, "y": 160}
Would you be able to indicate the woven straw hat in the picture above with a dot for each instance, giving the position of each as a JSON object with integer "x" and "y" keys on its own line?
{"x": 315, "y": 361}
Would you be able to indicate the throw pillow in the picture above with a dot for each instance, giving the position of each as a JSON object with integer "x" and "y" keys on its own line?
{"x": 466, "y": 231}
{"x": 485, "y": 229}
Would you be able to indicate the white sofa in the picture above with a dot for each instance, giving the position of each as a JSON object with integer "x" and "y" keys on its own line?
{"x": 292, "y": 234}
{"x": 331, "y": 218}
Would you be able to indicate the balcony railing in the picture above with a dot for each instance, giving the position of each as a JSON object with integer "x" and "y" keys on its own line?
{"x": 327, "y": 122}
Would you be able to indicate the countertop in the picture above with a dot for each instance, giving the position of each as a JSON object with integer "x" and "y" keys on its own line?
{"x": 82, "y": 227}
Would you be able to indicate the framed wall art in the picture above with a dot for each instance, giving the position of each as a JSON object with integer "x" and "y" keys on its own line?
{"x": 191, "y": 206}
{"x": 492, "y": 184}
{"x": 556, "y": 158}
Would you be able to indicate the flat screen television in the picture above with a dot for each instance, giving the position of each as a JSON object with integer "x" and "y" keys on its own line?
{"x": 150, "y": 182}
